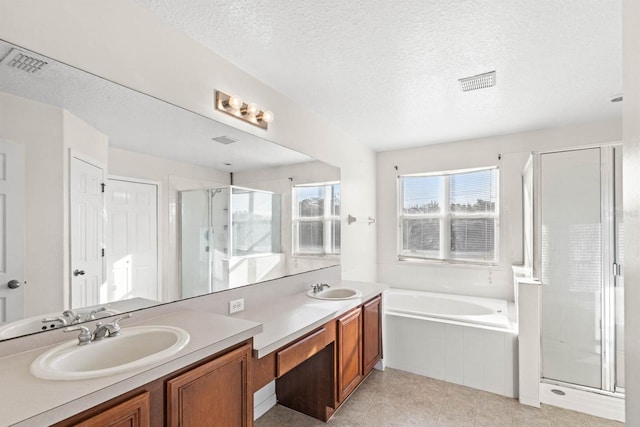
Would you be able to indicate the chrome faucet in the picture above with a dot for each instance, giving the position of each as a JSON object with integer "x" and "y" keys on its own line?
{"x": 319, "y": 287}
{"x": 111, "y": 329}
{"x": 75, "y": 318}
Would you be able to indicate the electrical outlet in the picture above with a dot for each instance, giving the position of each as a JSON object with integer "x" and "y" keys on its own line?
{"x": 236, "y": 305}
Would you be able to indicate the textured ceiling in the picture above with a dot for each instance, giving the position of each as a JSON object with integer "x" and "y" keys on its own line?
{"x": 140, "y": 123}
{"x": 386, "y": 71}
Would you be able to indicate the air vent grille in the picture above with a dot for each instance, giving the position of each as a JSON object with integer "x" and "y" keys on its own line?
{"x": 24, "y": 62}
{"x": 224, "y": 140}
{"x": 481, "y": 81}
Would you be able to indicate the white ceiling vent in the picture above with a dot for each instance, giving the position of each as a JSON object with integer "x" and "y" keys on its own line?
{"x": 480, "y": 81}
{"x": 224, "y": 140}
{"x": 22, "y": 61}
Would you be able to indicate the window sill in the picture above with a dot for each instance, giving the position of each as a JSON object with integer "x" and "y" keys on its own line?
{"x": 317, "y": 257}
{"x": 449, "y": 264}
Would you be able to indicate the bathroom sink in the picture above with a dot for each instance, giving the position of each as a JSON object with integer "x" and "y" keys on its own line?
{"x": 336, "y": 294}
{"x": 35, "y": 324}
{"x": 135, "y": 347}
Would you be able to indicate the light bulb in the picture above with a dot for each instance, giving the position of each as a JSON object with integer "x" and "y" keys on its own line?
{"x": 235, "y": 102}
{"x": 250, "y": 110}
{"x": 267, "y": 116}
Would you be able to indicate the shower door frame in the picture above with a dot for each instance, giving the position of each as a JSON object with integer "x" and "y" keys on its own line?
{"x": 609, "y": 258}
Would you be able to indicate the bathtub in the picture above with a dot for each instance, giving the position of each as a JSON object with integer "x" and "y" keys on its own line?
{"x": 458, "y": 309}
{"x": 459, "y": 339}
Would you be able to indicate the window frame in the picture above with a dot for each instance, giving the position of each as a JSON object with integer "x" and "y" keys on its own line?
{"x": 327, "y": 219}
{"x": 445, "y": 217}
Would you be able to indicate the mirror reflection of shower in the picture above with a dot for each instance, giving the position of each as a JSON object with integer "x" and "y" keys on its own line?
{"x": 230, "y": 236}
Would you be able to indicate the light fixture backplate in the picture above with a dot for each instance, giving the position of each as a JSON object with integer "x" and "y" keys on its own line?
{"x": 222, "y": 98}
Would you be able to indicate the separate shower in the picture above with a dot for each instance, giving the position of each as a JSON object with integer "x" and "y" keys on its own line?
{"x": 577, "y": 256}
{"x": 229, "y": 236}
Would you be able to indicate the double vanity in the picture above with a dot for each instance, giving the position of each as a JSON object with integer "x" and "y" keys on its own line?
{"x": 194, "y": 367}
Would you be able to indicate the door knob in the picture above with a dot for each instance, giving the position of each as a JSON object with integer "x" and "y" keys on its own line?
{"x": 13, "y": 284}
{"x": 78, "y": 272}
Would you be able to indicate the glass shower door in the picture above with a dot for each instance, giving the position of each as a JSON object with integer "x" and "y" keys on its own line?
{"x": 618, "y": 271}
{"x": 571, "y": 266}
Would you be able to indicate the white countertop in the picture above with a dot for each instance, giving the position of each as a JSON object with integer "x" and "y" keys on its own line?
{"x": 30, "y": 401}
{"x": 294, "y": 316}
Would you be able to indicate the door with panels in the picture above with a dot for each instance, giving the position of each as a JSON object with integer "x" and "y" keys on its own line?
{"x": 11, "y": 231}
{"x": 132, "y": 240}
{"x": 86, "y": 216}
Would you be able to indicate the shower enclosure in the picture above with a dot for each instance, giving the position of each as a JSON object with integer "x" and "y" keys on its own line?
{"x": 229, "y": 237}
{"x": 578, "y": 258}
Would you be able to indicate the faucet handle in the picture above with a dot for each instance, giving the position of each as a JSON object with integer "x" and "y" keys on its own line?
{"x": 115, "y": 330}
{"x": 92, "y": 315}
{"x": 85, "y": 336}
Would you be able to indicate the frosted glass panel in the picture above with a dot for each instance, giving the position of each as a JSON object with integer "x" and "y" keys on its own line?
{"x": 571, "y": 267}
{"x": 619, "y": 259}
{"x": 196, "y": 243}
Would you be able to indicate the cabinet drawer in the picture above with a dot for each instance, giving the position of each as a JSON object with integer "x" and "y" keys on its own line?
{"x": 297, "y": 353}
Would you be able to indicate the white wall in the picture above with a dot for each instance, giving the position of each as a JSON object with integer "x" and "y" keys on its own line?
{"x": 124, "y": 43}
{"x": 47, "y": 148}
{"x": 43, "y": 199}
{"x": 514, "y": 149}
{"x": 631, "y": 170}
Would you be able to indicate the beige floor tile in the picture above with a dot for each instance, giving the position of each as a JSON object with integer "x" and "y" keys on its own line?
{"x": 396, "y": 398}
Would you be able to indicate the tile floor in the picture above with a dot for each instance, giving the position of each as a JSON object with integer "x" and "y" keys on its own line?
{"x": 397, "y": 398}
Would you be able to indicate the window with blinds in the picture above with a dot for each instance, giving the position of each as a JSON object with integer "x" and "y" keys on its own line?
{"x": 450, "y": 216}
{"x": 316, "y": 219}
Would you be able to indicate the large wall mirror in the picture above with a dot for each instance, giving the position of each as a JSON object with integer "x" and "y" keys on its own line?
{"x": 112, "y": 200}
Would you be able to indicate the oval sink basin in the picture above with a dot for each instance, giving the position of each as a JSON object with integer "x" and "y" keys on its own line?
{"x": 134, "y": 348}
{"x": 35, "y": 324}
{"x": 336, "y": 294}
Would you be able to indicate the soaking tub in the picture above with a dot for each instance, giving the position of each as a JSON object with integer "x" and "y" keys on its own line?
{"x": 459, "y": 339}
{"x": 455, "y": 308}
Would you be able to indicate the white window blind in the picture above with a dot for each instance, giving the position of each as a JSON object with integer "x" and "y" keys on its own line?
{"x": 316, "y": 219}
{"x": 450, "y": 216}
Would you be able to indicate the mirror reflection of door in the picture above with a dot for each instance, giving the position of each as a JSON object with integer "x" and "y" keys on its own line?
{"x": 86, "y": 225}
{"x": 132, "y": 240}
{"x": 11, "y": 231}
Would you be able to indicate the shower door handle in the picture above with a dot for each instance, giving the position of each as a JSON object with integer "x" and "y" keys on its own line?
{"x": 617, "y": 269}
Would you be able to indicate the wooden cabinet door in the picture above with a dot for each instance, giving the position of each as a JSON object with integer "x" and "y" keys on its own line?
{"x": 130, "y": 413}
{"x": 372, "y": 334}
{"x": 349, "y": 353}
{"x": 214, "y": 394}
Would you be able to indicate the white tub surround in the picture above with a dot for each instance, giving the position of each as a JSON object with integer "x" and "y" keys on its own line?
{"x": 29, "y": 401}
{"x": 430, "y": 334}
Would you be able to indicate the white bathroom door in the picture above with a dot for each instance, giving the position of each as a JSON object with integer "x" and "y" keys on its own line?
{"x": 132, "y": 239}
{"x": 86, "y": 224}
{"x": 11, "y": 231}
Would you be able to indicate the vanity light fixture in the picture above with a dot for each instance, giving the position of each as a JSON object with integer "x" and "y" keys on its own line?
{"x": 249, "y": 112}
